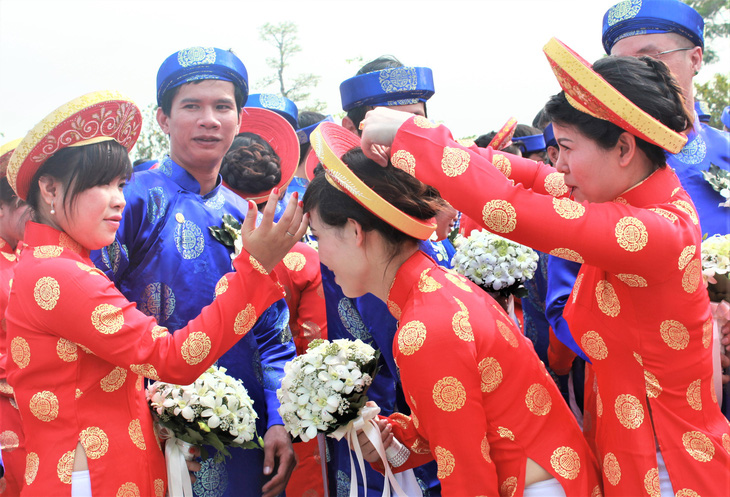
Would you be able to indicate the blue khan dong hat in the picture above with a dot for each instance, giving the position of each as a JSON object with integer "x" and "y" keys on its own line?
{"x": 641, "y": 17}
{"x": 392, "y": 86}
{"x": 303, "y": 133}
{"x": 725, "y": 117}
{"x": 702, "y": 111}
{"x": 199, "y": 63}
{"x": 529, "y": 144}
{"x": 276, "y": 103}
{"x": 549, "y": 136}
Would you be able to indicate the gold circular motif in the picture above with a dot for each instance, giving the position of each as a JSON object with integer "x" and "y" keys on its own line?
{"x": 446, "y": 462}
{"x": 555, "y": 184}
{"x": 66, "y": 350}
{"x": 508, "y": 487}
{"x": 6, "y": 389}
{"x": 698, "y": 445}
{"x": 31, "y": 467}
{"x": 44, "y": 406}
{"x": 633, "y": 280}
{"x": 576, "y": 287}
{"x": 20, "y": 352}
{"x": 394, "y": 309}
{"x": 411, "y": 337}
{"x": 195, "y": 348}
{"x": 599, "y": 404}
{"x": 159, "y": 488}
{"x": 47, "y": 251}
{"x": 596, "y": 492}
{"x": 460, "y": 323}
{"x": 46, "y": 293}
{"x": 566, "y": 462}
{"x": 66, "y": 241}
{"x": 135, "y": 433}
{"x": 611, "y": 469}
{"x": 158, "y": 332}
{"x": 139, "y": 384}
{"x": 9, "y": 440}
{"x": 79, "y": 393}
{"x": 568, "y": 209}
{"x": 567, "y": 254}
{"x": 726, "y": 442}
{"x": 114, "y": 380}
{"x": 486, "y": 450}
{"x": 420, "y": 447}
{"x": 404, "y": 161}
{"x": 459, "y": 281}
{"x": 607, "y": 299}
{"x": 95, "y": 442}
{"x": 505, "y": 433}
{"x": 666, "y": 214}
{"x": 620, "y": 200}
{"x": 538, "y": 400}
{"x": 686, "y": 492}
{"x": 129, "y": 489}
{"x": 707, "y": 333}
{"x": 427, "y": 284}
{"x": 107, "y": 319}
{"x": 503, "y": 164}
{"x": 257, "y": 265}
{"x": 499, "y": 216}
{"x": 687, "y": 207}
{"x": 222, "y": 286}
{"x": 422, "y": 122}
{"x": 245, "y": 320}
{"x": 694, "y": 395}
{"x": 449, "y": 394}
{"x": 692, "y": 276}
{"x": 507, "y": 334}
{"x": 631, "y": 234}
{"x": 414, "y": 418}
{"x": 146, "y": 370}
{"x": 294, "y": 261}
{"x": 651, "y": 483}
{"x": 454, "y": 162}
{"x": 651, "y": 382}
{"x": 674, "y": 334}
{"x": 687, "y": 254}
{"x": 629, "y": 411}
{"x": 594, "y": 346}
{"x": 65, "y": 467}
{"x": 491, "y": 374}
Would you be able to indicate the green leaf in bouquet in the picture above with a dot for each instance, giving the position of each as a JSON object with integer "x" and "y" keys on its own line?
{"x": 213, "y": 440}
{"x": 228, "y": 232}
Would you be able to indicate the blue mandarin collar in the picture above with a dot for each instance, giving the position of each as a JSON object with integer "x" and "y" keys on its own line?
{"x": 184, "y": 179}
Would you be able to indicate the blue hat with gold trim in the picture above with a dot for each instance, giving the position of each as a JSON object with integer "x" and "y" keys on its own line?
{"x": 199, "y": 63}
{"x": 641, "y": 17}
{"x": 281, "y": 105}
{"x": 549, "y": 136}
{"x": 391, "y": 86}
{"x": 725, "y": 117}
{"x": 530, "y": 144}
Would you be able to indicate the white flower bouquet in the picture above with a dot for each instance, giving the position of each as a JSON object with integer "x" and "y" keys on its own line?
{"x": 325, "y": 388}
{"x": 716, "y": 266}
{"x": 719, "y": 180}
{"x": 215, "y": 410}
{"x": 496, "y": 264}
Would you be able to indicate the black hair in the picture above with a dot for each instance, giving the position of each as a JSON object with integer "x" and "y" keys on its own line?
{"x": 394, "y": 185}
{"x": 648, "y": 83}
{"x": 525, "y": 130}
{"x": 169, "y": 96}
{"x": 7, "y": 194}
{"x": 81, "y": 168}
{"x": 251, "y": 165}
{"x": 307, "y": 118}
{"x": 357, "y": 114}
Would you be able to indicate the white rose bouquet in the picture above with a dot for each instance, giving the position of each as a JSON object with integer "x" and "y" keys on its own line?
{"x": 716, "y": 265}
{"x": 496, "y": 264}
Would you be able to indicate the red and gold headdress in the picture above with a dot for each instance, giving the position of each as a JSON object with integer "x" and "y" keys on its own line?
{"x": 588, "y": 92}
{"x": 330, "y": 142}
{"x": 92, "y": 118}
{"x": 503, "y": 138}
{"x": 6, "y": 151}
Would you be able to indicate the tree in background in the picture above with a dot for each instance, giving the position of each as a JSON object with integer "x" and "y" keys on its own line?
{"x": 152, "y": 142}
{"x": 283, "y": 37}
{"x": 716, "y": 14}
{"x": 716, "y": 94}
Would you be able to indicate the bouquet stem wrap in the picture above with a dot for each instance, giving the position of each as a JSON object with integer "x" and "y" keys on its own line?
{"x": 365, "y": 423}
{"x": 176, "y": 453}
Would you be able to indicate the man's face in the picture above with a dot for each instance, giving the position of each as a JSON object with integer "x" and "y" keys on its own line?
{"x": 202, "y": 123}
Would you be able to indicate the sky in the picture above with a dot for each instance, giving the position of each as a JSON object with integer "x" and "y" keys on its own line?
{"x": 486, "y": 55}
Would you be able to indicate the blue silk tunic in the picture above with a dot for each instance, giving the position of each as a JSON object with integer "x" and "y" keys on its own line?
{"x": 165, "y": 259}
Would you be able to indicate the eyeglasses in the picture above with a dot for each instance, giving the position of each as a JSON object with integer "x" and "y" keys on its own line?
{"x": 658, "y": 55}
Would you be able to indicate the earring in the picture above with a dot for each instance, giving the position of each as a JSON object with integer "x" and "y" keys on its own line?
{"x": 53, "y": 210}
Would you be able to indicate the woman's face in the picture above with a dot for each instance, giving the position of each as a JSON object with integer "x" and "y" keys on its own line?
{"x": 94, "y": 217}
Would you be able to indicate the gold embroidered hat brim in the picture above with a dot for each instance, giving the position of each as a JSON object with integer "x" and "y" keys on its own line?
{"x": 6, "y": 151}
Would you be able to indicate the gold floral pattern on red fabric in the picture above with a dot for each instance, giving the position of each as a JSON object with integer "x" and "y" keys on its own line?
{"x": 47, "y": 291}
{"x": 568, "y": 209}
{"x": 44, "y": 406}
{"x": 567, "y": 254}
{"x": 555, "y": 184}
{"x": 257, "y": 265}
{"x": 146, "y": 370}
{"x": 666, "y": 214}
{"x": 129, "y": 489}
{"x": 596, "y": 492}
{"x": 651, "y": 383}
{"x": 158, "y": 332}
{"x": 707, "y": 333}
{"x": 159, "y": 487}
{"x": 631, "y": 234}
{"x": 576, "y": 287}
{"x": 404, "y": 161}
{"x": 195, "y": 348}
{"x": 221, "y": 286}
{"x": 65, "y": 467}
{"x": 726, "y": 442}
{"x": 459, "y": 281}
{"x": 499, "y": 216}
{"x": 114, "y": 380}
{"x": 503, "y": 164}
{"x": 47, "y": 251}
{"x": 400, "y": 419}
{"x": 686, "y": 492}
{"x": 507, "y": 334}
{"x": 674, "y": 334}
{"x": 633, "y": 280}
{"x": 611, "y": 469}
{"x": 79, "y": 393}
{"x": 692, "y": 277}
{"x": 5, "y": 388}
{"x": 427, "y": 284}
{"x": 698, "y": 445}
{"x": 454, "y": 162}
{"x": 411, "y": 337}
{"x": 508, "y": 487}
{"x": 32, "y": 461}
{"x": 566, "y": 462}
{"x": 505, "y": 433}
{"x": 424, "y": 123}
{"x": 66, "y": 241}
{"x": 687, "y": 254}
{"x": 89, "y": 269}
{"x": 593, "y": 345}
{"x": 245, "y": 320}
{"x": 135, "y": 434}
{"x": 651, "y": 483}
{"x": 629, "y": 411}
{"x": 446, "y": 462}
{"x": 394, "y": 309}
{"x": 485, "y": 449}
{"x": 491, "y": 374}
{"x": 420, "y": 447}
{"x": 607, "y": 299}
{"x": 449, "y": 394}
{"x": 460, "y": 323}
{"x": 66, "y": 350}
{"x": 95, "y": 442}
{"x": 9, "y": 440}
{"x": 414, "y": 418}
{"x": 694, "y": 395}
{"x": 599, "y": 404}
{"x": 107, "y": 319}
{"x": 538, "y": 400}
{"x": 10, "y": 257}
{"x": 687, "y": 207}
{"x": 20, "y": 352}
{"x": 294, "y": 261}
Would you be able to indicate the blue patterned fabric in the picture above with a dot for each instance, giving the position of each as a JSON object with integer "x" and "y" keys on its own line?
{"x": 535, "y": 325}
{"x": 276, "y": 103}
{"x": 165, "y": 259}
{"x": 391, "y": 86}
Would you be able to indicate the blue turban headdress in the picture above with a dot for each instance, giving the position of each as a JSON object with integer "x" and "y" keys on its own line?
{"x": 391, "y": 86}
{"x": 276, "y": 103}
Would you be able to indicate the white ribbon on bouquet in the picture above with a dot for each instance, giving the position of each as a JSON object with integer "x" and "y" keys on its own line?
{"x": 177, "y": 452}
